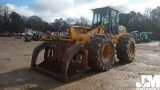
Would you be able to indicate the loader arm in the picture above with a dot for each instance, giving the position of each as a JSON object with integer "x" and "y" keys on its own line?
{"x": 85, "y": 37}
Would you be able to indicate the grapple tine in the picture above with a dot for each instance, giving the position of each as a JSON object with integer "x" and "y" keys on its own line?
{"x": 58, "y": 58}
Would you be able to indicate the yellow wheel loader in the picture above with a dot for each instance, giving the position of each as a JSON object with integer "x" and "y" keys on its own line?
{"x": 88, "y": 47}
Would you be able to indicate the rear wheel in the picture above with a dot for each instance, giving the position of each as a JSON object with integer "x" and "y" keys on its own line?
{"x": 125, "y": 49}
{"x": 101, "y": 52}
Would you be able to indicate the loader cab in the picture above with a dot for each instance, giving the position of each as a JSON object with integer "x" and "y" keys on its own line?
{"x": 109, "y": 16}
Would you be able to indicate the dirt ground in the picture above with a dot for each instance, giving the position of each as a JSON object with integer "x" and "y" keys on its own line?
{"x": 16, "y": 74}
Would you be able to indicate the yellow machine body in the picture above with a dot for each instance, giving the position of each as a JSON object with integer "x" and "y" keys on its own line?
{"x": 84, "y": 33}
{"x": 69, "y": 56}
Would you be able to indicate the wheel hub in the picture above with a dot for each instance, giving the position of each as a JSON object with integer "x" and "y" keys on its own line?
{"x": 132, "y": 49}
{"x": 107, "y": 52}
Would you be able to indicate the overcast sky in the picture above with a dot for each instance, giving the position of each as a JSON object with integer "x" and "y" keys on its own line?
{"x": 49, "y": 10}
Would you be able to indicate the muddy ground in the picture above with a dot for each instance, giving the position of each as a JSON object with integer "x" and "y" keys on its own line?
{"x": 16, "y": 74}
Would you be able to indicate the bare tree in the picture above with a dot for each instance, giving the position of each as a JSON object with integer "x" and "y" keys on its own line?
{"x": 69, "y": 20}
{"x": 4, "y": 17}
{"x": 147, "y": 13}
{"x": 78, "y": 21}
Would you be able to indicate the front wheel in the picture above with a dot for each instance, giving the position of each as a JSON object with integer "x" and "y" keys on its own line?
{"x": 101, "y": 52}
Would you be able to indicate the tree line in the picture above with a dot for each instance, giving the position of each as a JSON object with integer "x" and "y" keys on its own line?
{"x": 134, "y": 21}
{"x": 13, "y": 22}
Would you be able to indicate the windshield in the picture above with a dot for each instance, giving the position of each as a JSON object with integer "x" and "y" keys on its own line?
{"x": 100, "y": 16}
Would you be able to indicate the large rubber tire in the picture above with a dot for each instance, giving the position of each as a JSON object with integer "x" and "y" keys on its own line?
{"x": 101, "y": 52}
{"x": 126, "y": 49}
